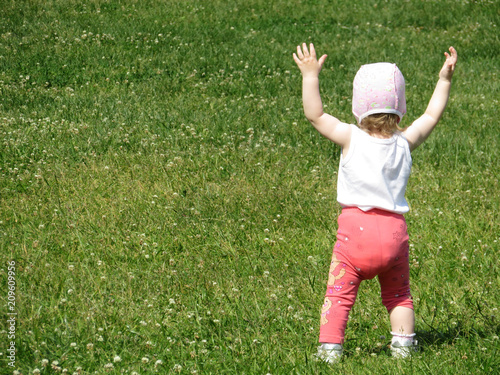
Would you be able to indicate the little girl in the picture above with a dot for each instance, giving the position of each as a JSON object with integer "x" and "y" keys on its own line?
{"x": 375, "y": 164}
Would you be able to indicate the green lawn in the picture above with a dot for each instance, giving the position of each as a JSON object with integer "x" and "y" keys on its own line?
{"x": 169, "y": 209}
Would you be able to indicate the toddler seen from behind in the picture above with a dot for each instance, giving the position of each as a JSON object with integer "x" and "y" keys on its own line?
{"x": 375, "y": 166}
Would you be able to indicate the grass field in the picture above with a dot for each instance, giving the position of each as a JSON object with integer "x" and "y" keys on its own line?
{"x": 165, "y": 206}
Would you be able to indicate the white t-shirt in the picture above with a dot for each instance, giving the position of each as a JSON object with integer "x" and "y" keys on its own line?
{"x": 374, "y": 173}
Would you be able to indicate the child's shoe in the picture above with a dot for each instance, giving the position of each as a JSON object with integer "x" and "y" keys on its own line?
{"x": 403, "y": 346}
{"x": 330, "y": 353}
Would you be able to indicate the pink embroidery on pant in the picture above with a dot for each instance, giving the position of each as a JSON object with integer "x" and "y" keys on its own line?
{"x": 325, "y": 311}
{"x": 333, "y": 265}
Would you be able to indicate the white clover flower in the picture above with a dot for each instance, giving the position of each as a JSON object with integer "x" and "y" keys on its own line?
{"x": 109, "y": 366}
{"x": 145, "y": 359}
{"x": 117, "y": 358}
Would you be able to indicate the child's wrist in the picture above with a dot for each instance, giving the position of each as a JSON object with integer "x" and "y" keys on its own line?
{"x": 310, "y": 76}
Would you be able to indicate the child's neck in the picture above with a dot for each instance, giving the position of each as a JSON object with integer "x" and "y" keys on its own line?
{"x": 378, "y": 134}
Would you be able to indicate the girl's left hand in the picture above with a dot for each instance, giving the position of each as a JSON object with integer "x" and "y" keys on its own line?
{"x": 307, "y": 61}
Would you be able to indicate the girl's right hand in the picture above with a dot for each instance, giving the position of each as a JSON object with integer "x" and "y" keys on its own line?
{"x": 449, "y": 65}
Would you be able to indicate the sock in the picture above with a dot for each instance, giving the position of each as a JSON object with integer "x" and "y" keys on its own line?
{"x": 402, "y": 339}
{"x": 329, "y": 346}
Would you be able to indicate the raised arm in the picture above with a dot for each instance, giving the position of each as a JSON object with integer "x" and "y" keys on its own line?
{"x": 329, "y": 126}
{"x": 421, "y": 128}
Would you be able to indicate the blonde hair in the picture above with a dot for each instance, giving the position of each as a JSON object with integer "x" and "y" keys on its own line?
{"x": 381, "y": 123}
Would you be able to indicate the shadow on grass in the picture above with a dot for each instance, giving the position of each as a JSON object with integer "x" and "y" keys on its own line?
{"x": 432, "y": 337}
{"x": 436, "y": 336}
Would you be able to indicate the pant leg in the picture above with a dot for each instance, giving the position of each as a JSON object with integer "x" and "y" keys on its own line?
{"x": 395, "y": 287}
{"x": 395, "y": 281}
{"x": 342, "y": 288}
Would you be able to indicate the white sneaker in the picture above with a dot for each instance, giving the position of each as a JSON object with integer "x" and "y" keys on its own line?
{"x": 330, "y": 353}
{"x": 403, "y": 351}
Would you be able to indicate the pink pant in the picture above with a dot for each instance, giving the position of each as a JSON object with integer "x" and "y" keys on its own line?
{"x": 369, "y": 244}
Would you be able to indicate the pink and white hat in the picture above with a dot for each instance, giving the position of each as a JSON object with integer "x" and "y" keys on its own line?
{"x": 378, "y": 88}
